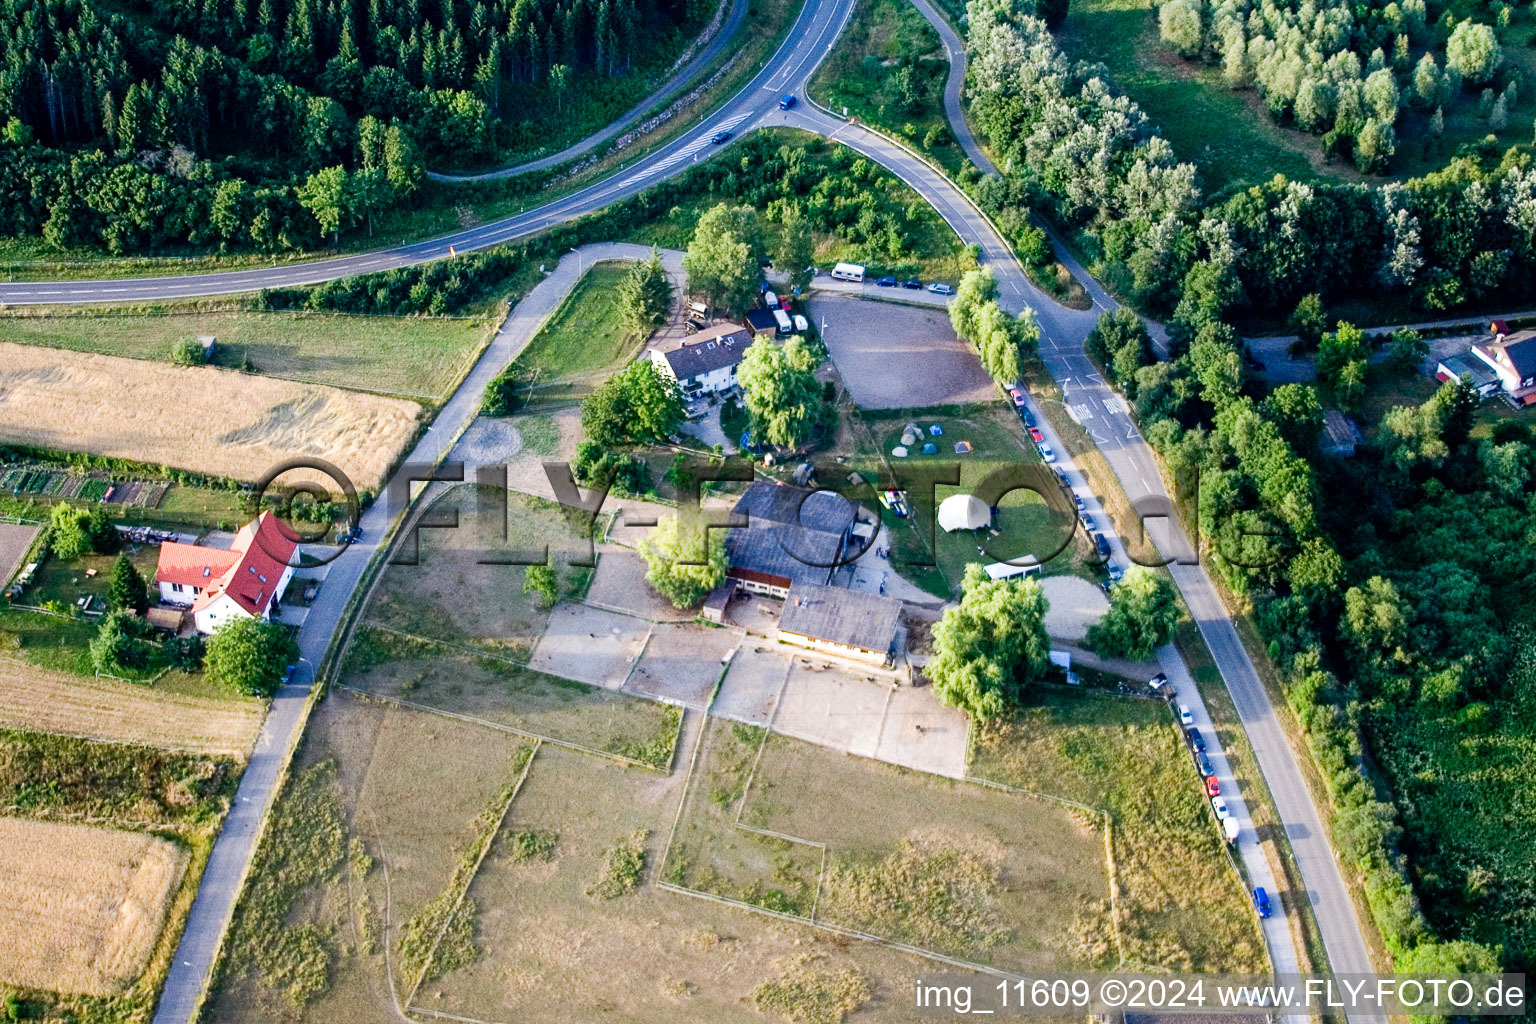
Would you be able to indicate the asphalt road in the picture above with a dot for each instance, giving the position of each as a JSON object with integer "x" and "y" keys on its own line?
{"x": 724, "y": 37}
{"x": 224, "y": 876}
{"x": 808, "y": 41}
{"x": 1095, "y": 405}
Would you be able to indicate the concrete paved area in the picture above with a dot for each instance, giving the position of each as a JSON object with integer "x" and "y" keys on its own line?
{"x": 1076, "y": 604}
{"x": 589, "y": 645}
{"x": 919, "y": 732}
{"x": 897, "y": 357}
{"x": 751, "y": 685}
{"x": 829, "y": 706}
{"x": 754, "y": 613}
{"x": 619, "y": 585}
{"x": 682, "y": 663}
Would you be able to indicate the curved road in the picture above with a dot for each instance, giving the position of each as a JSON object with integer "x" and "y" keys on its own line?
{"x": 725, "y": 35}
{"x": 1090, "y": 400}
{"x": 1094, "y": 404}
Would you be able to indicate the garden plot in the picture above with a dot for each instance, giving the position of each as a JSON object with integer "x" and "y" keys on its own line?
{"x": 457, "y": 594}
{"x": 682, "y": 663}
{"x": 15, "y": 541}
{"x": 107, "y": 405}
{"x": 37, "y": 698}
{"x": 550, "y": 948}
{"x": 503, "y": 694}
{"x": 81, "y": 908}
{"x": 991, "y": 877}
{"x": 590, "y": 645}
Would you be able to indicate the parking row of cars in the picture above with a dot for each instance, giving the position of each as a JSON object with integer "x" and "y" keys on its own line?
{"x": 1196, "y": 744}
{"x": 937, "y": 287}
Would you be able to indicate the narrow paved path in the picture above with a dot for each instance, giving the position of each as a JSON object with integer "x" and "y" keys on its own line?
{"x": 224, "y": 876}
{"x": 725, "y": 36}
{"x": 1094, "y": 404}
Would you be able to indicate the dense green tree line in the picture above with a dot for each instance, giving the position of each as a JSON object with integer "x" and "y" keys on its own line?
{"x": 270, "y": 124}
{"x": 1389, "y": 592}
{"x": 1089, "y": 157}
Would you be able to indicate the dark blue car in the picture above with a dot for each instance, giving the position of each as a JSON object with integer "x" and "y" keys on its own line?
{"x": 1261, "y": 902}
{"x": 786, "y": 101}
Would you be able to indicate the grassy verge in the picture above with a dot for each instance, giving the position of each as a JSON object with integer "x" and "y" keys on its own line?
{"x": 583, "y": 341}
{"x": 888, "y": 69}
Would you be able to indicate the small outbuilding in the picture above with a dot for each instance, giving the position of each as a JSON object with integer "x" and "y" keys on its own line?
{"x": 1340, "y": 435}
{"x": 963, "y": 512}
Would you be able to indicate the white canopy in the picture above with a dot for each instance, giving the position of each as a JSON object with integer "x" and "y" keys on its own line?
{"x": 963, "y": 512}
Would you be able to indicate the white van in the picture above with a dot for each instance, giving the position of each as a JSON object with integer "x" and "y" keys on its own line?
{"x": 782, "y": 319}
{"x": 769, "y": 299}
{"x": 801, "y": 324}
{"x": 848, "y": 272}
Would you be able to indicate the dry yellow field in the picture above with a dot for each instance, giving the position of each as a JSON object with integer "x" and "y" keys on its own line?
{"x": 198, "y": 418}
{"x": 81, "y": 907}
{"x": 36, "y": 698}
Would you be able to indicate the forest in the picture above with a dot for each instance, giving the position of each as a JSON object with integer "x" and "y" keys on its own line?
{"x": 269, "y": 125}
{"x": 1090, "y": 160}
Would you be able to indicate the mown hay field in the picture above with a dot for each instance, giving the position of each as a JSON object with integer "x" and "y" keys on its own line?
{"x": 80, "y": 907}
{"x": 197, "y": 418}
{"x": 37, "y": 698}
{"x": 414, "y": 357}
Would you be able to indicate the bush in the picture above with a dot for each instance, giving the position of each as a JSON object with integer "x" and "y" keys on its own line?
{"x": 188, "y": 352}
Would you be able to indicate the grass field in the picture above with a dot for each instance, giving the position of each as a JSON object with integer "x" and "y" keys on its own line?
{"x": 548, "y": 945}
{"x": 450, "y": 596}
{"x": 81, "y": 908}
{"x": 963, "y": 870}
{"x": 414, "y": 357}
{"x": 196, "y": 418}
{"x": 500, "y": 693}
{"x": 865, "y": 69}
{"x": 583, "y": 341}
{"x": 50, "y": 701}
{"x": 1182, "y": 904}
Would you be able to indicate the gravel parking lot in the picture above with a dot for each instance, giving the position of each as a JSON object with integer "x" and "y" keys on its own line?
{"x": 1076, "y": 604}
{"x": 896, "y": 357}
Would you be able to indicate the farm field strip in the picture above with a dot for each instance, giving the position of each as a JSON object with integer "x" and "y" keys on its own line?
{"x": 48, "y": 701}
{"x": 81, "y": 908}
{"x": 198, "y": 418}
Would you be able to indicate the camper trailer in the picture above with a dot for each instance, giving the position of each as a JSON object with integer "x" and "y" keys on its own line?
{"x": 849, "y": 272}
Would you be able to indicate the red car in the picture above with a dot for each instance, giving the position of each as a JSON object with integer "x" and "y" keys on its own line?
{"x": 1212, "y": 787}
{"x": 784, "y": 303}
{"x": 1035, "y": 435}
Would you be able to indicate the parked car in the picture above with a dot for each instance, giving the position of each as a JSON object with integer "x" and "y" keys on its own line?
{"x": 1046, "y": 455}
{"x": 1029, "y": 417}
{"x": 1220, "y": 807}
{"x": 784, "y": 303}
{"x": 1195, "y": 739}
{"x": 1086, "y": 518}
{"x": 912, "y": 283}
{"x": 1261, "y": 901}
{"x": 1159, "y": 683}
{"x": 1204, "y": 764}
{"x": 786, "y": 101}
{"x": 886, "y": 282}
{"x": 695, "y": 326}
{"x": 1017, "y": 396}
{"x": 1115, "y": 572}
{"x": 1185, "y": 716}
{"x": 1035, "y": 435}
{"x": 940, "y": 288}
{"x": 720, "y": 136}
{"x": 1077, "y": 499}
{"x": 1101, "y": 545}
{"x": 1212, "y": 786}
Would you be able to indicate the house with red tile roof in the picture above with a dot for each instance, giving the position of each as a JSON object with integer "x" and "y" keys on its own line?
{"x": 219, "y": 585}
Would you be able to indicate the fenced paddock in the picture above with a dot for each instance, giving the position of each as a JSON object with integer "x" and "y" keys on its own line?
{"x": 81, "y": 907}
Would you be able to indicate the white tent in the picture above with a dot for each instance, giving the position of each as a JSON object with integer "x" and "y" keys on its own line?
{"x": 963, "y": 512}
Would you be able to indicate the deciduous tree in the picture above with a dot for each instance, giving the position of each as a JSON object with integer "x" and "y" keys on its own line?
{"x": 991, "y": 646}
{"x": 684, "y": 560}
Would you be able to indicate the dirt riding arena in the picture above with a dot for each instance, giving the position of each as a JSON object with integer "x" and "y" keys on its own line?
{"x": 898, "y": 357}
{"x": 751, "y": 686}
{"x": 590, "y": 645}
{"x": 1076, "y": 604}
{"x": 682, "y": 662}
{"x": 80, "y": 907}
{"x": 619, "y": 585}
{"x": 199, "y": 418}
{"x": 36, "y": 698}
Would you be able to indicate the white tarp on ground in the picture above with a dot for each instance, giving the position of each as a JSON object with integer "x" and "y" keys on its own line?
{"x": 963, "y": 512}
